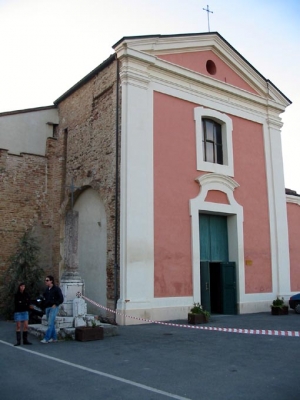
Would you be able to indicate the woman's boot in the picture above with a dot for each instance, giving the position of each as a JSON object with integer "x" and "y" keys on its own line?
{"x": 25, "y": 341}
{"x": 18, "y": 339}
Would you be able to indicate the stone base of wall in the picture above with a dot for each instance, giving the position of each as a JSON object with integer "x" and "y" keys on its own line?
{"x": 255, "y": 307}
{"x": 143, "y": 316}
{"x": 135, "y": 317}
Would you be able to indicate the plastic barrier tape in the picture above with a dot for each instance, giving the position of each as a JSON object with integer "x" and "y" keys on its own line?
{"x": 269, "y": 332}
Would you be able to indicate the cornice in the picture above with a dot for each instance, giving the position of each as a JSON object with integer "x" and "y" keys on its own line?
{"x": 135, "y": 78}
{"x": 274, "y": 123}
{"x": 134, "y": 69}
{"x": 293, "y": 199}
{"x": 167, "y": 73}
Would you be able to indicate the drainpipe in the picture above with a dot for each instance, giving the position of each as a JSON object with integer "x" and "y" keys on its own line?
{"x": 116, "y": 266}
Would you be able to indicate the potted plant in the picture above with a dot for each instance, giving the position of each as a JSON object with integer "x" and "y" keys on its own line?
{"x": 87, "y": 333}
{"x": 278, "y": 307}
{"x": 198, "y": 315}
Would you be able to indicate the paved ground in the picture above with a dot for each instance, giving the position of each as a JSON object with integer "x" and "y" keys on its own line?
{"x": 159, "y": 362}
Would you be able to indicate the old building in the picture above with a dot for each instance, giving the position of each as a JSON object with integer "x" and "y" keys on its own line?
{"x": 170, "y": 151}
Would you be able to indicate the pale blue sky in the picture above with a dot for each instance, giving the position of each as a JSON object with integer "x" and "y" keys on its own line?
{"x": 49, "y": 45}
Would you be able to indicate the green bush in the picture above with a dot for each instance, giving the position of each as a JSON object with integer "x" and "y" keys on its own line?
{"x": 23, "y": 267}
{"x": 278, "y": 302}
{"x": 198, "y": 309}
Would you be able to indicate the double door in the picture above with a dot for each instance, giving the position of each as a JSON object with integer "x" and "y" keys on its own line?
{"x": 217, "y": 273}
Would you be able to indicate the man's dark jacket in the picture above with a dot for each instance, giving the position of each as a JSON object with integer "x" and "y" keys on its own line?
{"x": 53, "y": 296}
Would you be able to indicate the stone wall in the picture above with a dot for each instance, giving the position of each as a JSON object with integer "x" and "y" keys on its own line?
{"x": 88, "y": 128}
{"x": 30, "y": 200}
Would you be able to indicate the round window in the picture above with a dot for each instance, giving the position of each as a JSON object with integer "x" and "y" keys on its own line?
{"x": 211, "y": 67}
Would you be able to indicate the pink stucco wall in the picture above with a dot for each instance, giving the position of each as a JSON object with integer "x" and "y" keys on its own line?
{"x": 215, "y": 196}
{"x": 250, "y": 173}
{"x": 293, "y": 212}
{"x": 174, "y": 185}
{"x": 196, "y": 61}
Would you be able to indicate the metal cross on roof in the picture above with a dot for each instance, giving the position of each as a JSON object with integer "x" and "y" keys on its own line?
{"x": 208, "y": 11}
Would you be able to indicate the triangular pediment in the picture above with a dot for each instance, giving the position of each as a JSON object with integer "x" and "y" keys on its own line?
{"x": 208, "y": 54}
{"x": 208, "y": 63}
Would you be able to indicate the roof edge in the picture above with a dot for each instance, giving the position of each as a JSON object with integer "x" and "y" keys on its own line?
{"x": 26, "y": 110}
{"x": 85, "y": 79}
{"x": 163, "y": 36}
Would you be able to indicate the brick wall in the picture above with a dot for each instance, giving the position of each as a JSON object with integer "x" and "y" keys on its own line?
{"x": 30, "y": 200}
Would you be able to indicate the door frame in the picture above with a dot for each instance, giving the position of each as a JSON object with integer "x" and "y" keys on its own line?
{"x": 224, "y": 288}
{"x": 235, "y": 217}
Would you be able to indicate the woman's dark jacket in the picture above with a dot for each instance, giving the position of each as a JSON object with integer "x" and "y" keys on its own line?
{"x": 22, "y": 302}
{"x": 53, "y": 296}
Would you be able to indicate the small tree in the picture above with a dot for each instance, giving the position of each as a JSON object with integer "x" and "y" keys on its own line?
{"x": 23, "y": 267}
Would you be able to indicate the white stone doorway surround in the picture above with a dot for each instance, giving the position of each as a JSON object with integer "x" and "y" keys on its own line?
{"x": 234, "y": 213}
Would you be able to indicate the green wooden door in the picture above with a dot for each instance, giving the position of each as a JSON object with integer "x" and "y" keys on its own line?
{"x": 204, "y": 231}
{"x": 218, "y": 238}
{"x": 217, "y": 274}
{"x": 228, "y": 278}
{"x": 205, "y": 285}
{"x": 213, "y": 238}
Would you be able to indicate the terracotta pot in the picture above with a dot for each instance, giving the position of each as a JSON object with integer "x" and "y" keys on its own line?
{"x": 279, "y": 310}
{"x": 87, "y": 333}
{"x": 195, "y": 319}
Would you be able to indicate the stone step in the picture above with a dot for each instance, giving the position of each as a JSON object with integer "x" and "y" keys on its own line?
{"x": 68, "y": 333}
{"x": 60, "y": 322}
{"x": 70, "y": 322}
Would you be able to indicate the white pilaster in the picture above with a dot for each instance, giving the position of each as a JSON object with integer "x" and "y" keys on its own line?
{"x": 278, "y": 211}
{"x": 136, "y": 216}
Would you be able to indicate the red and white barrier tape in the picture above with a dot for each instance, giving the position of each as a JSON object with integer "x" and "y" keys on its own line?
{"x": 268, "y": 332}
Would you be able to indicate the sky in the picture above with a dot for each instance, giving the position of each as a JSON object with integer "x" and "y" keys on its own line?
{"x": 47, "y": 46}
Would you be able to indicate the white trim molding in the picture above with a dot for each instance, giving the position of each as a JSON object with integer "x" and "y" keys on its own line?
{"x": 226, "y": 125}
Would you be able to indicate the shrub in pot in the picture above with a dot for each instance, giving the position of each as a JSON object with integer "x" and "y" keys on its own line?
{"x": 198, "y": 315}
{"x": 278, "y": 307}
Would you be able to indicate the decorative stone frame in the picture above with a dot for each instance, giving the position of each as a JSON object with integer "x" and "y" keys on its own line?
{"x": 226, "y": 125}
{"x": 234, "y": 212}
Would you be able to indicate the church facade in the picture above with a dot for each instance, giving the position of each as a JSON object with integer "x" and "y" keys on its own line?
{"x": 170, "y": 152}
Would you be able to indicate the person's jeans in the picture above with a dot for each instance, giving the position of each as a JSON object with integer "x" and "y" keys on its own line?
{"x": 51, "y": 315}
